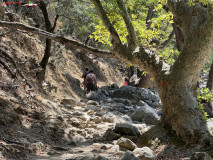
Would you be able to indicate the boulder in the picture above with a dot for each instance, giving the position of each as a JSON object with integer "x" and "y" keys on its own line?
{"x": 126, "y": 143}
{"x": 122, "y": 100}
{"x": 102, "y": 158}
{"x": 126, "y": 129}
{"x": 115, "y": 118}
{"x": 37, "y": 147}
{"x": 96, "y": 96}
{"x": 97, "y": 119}
{"x": 144, "y": 153}
{"x": 210, "y": 125}
{"x": 114, "y": 86}
{"x": 201, "y": 156}
{"x": 145, "y": 114}
{"x": 110, "y": 135}
{"x": 135, "y": 94}
{"x": 91, "y": 102}
{"x": 92, "y": 107}
{"x": 68, "y": 101}
{"x": 129, "y": 156}
{"x": 108, "y": 117}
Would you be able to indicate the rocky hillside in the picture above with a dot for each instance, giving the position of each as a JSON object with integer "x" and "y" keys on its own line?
{"x": 55, "y": 121}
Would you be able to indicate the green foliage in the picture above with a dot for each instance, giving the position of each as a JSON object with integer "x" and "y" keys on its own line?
{"x": 203, "y": 94}
{"x": 138, "y": 10}
{"x": 128, "y": 66}
{"x": 144, "y": 73}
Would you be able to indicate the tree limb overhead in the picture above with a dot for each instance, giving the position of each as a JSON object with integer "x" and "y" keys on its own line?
{"x": 132, "y": 39}
{"x": 115, "y": 37}
{"x": 57, "y": 38}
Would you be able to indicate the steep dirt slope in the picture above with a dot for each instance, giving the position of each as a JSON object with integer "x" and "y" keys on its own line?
{"x": 23, "y": 109}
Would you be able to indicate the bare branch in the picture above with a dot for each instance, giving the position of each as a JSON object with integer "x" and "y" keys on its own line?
{"x": 55, "y": 22}
{"x": 57, "y": 38}
{"x": 149, "y": 17}
{"x": 15, "y": 65}
{"x": 132, "y": 39}
{"x": 115, "y": 37}
{"x": 13, "y": 75}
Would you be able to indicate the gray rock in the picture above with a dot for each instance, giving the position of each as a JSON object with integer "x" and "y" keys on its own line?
{"x": 144, "y": 153}
{"x": 114, "y": 86}
{"x": 145, "y": 114}
{"x": 108, "y": 100}
{"x": 92, "y": 107}
{"x": 109, "y": 117}
{"x": 69, "y": 101}
{"x": 96, "y": 96}
{"x": 91, "y": 102}
{"x": 135, "y": 94}
{"x": 111, "y": 135}
{"x": 128, "y": 155}
{"x": 126, "y": 129}
{"x": 129, "y": 88}
{"x": 97, "y": 119}
{"x": 127, "y": 118}
{"x": 122, "y": 100}
{"x": 126, "y": 143}
{"x": 102, "y": 158}
{"x": 210, "y": 125}
{"x": 200, "y": 156}
{"x": 105, "y": 92}
{"x": 37, "y": 147}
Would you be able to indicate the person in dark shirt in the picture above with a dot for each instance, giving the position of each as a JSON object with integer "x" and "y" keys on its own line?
{"x": 91, "y": 82}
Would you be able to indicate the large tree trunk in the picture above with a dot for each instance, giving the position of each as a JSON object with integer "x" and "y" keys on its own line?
{"x": 47, "y": 52}
{"x": 179, "y": 111}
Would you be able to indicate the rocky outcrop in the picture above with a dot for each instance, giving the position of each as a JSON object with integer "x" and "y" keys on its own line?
{"x": 145, "y": 114}
{"x": 126, "y": 129}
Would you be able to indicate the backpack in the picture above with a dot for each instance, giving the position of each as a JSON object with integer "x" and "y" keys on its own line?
{"x": 90, "y": 79}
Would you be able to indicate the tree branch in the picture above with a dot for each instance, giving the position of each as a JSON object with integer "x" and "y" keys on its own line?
{"x": 144, "y": 59}
{"x": 55, "y": 22}
{"x": 179, "y": 9}
{"x": 149, "y": 16}
{"x": 168, "y": 40}
{"x": 13, "y": 75}
{"x": 115, "y": 37}
{"x": 43, "y": 8}
{"x": 57, "y": 38}
{"x": 15, "y": 65}
{"x": 132, "y": 39}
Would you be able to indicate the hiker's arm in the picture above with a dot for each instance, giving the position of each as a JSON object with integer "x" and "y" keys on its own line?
{"x": 85, "y": 82}
{"x": 95, "y": 81}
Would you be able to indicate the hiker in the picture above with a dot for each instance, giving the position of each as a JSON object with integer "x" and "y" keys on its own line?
{"x": 126, "y": 81}
{"x": 84, "y": 76}
{"x": 91, "y": 82}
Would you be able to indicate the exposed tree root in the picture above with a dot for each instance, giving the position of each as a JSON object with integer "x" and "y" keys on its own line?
{"x": 7, "y": 56}
{"x": 13, "y": 75}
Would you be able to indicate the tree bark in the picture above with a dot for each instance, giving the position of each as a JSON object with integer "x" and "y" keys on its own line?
{"x": 209, "y": 84}
{"x": 149, "y": 16}
{"x": 49, "y": 28}
{"x": 179, "y": 37}
{"x": 179, "y": 110}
